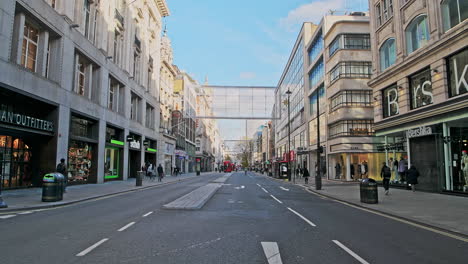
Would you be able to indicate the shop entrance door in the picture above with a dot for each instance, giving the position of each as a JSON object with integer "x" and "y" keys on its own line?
{"x": 424, "y": 158}
{"x": 134, "y": 165}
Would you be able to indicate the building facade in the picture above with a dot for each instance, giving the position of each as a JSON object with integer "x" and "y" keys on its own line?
{"x": 420, "y": 88}
{"x": 77, "y": 82}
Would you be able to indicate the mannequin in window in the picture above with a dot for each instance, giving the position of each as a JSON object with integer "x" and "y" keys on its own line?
{"x": 464, "y": 164}
{"x": 402, "y": 168}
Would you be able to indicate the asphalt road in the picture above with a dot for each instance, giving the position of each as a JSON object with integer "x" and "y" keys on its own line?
{"x": 230, "y": 228}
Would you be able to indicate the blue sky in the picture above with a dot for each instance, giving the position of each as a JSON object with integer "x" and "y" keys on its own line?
{"x": 243, "y": 42}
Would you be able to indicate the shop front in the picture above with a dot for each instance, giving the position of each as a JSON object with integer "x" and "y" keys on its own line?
{"x": 168, "y": 158}
{"x": 113, "y": 161}
{"x": 134, "y": 154}
{"x": 150, "y": 151}
{"x": 82, "y": 149}
{"x": 181, "y": 158}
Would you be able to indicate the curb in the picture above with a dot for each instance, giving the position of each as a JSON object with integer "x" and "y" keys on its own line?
{"x": 48, "y": 206}
{"x": 455, "y": 233}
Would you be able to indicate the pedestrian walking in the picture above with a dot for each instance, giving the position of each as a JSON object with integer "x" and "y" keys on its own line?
{"x": 305, "y": 174}
{"x": 62, "y": 169}
{"x": 160, "y": 173}
{"x": 412, "y": 177}
{"x": 386, "y": 174}
{"x": 150, "y": 171}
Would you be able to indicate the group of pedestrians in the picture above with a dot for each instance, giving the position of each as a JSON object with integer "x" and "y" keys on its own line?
{"x": 411, "y": 177}
{"x": 149, "y": 170}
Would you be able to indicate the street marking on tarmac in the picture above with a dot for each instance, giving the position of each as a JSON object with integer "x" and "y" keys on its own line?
{"x": 145, "y": 215}
{"x": 272, "y": 252}
{"x": 86, "y": 251}
{"x": 264, "y": 190}
{"x": 125, "y": 227}
{"x": 6, "y": 216}
{"x": 276, "y": 199}
{"x": 356, "y": 256}
{"x": 284, "y": 189}
{"x": 259, "y": 185}
{"x": 25, "y": 212}
{"x": 303, "y": 218}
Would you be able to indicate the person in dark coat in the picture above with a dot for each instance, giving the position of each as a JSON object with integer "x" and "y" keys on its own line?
{"x": 412, "y": 177}
{"x": 386, "y": 174}
{"x": 62, "y": 169}
{"x": 305, "y": 174}
{"x": 160, "y": 172}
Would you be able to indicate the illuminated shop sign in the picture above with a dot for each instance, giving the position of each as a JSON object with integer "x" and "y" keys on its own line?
{"x": 26, "y": 121}
{"x": 390, "y": 101}
{"x": 135, "y": 144}
{"x": 458, "y": 73}
{"x": 419, "y": 132}
{"x": 421, "y": 89}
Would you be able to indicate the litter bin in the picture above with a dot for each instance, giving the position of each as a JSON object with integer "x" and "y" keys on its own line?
{"x": 52, "y": 187}
{"x": 139, "y": 178}
{"x": 368, "y": 188}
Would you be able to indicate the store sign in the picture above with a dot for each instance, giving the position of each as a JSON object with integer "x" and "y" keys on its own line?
{"x": 26, "y": 121}
{"x": 135, "y": 144}
{"x": 390, "y": 101}
{"x": 419, "y": 132}
{"x": 421, "y": 89}
{"x": 458, "y": 73}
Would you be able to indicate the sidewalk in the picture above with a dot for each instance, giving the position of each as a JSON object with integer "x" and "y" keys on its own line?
{"x": 28, "y": 199}
{"x": 443, "y": 211}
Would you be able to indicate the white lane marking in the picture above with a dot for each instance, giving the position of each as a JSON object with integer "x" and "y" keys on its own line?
{"x": 350, "y": 252}
{"x": 145, "y": 215}
{"x": 125, "y": 227}
{"x": 6, "y": 216}
{"x": 86, "y": 251}
{"x": 264, "y": 190}
{"x": 25, "y": 212}
{"x": 272, "y": 252}
{"x": 303, "y": 218}
{"x": 282, "y": 188}
{"x": 276, "y": 199}
{"x": 259, "y": 185}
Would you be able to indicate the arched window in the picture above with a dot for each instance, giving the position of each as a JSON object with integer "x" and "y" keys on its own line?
{"x": 387, "y": 54}
{"x": 417, "y": 33}
{"x": 453, "y": 12}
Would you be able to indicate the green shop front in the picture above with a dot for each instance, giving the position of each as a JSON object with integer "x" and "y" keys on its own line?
{"x": 113, "y": 160}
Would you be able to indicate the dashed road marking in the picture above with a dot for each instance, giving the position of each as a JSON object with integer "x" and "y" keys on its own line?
{"x": 259, "y": 185}
{"x": 284, "y": 189}
{"x": 86, "y": 251}
{"x": 6, "y": 216}
{"x": 145, "y": 215}
{"x": 303, "y": 218}
{"x": 25, "y": 212}
{"x": 276, "y": 199}
{"x": 272, "y": 252}
{"x": 264, "y": 190}
{"x": 125, "y": 227}
{"x": 349, "y": 251}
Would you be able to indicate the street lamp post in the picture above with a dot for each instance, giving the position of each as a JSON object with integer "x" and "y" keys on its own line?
{"x": 318, "y": 174}
{"x": 288, "y": 92}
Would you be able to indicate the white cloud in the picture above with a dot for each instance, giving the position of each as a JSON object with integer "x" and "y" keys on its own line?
{"x": 247, "y": 75}
{"x": 312, "y": 12}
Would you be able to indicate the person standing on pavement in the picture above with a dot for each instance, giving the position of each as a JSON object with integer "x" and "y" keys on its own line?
{"x": 305, "y": 174}
{"x": 62, "y": 169}
{"x": 386, "y": 174}
{"x": 160, "y": 173}
{"x": 412, "y": 177}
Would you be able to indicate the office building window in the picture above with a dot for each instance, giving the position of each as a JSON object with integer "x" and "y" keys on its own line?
{"x": 351, "y": 69}
{"x": 29, "y": 48}
{"x": 387, "y": 54}
{"x": 349, "y": 41}
{"x": 316, "y": 74}
{"x": 453, "y": 12}
{"x": 316, "y": 47}
{"x": 313, "y": 100}
{"x": 118, "y": 40}
{"x": 149, "y": 120}
{"x": 87, "y": 17}
{"x": 417, "y": 34}
{"x": 86, "y": 77}
{"x": 350, "y": 98}
{"x": 360, "y": 128}
{"x": 149, "y": 85}
{"x": 378, "y": 13}
{"x": 135, "y": 107}
{"x": 384, "y": 11}
{"x": 115, "y": 98}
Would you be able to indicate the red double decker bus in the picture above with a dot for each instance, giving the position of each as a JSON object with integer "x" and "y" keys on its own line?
{"x": 228, "y": 166}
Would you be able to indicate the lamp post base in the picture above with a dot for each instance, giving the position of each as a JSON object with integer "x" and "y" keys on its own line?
{"x": 318, "y": 183}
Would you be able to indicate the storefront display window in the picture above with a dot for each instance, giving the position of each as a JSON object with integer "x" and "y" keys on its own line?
{"x": 390, "y": 105}
{"x": 112, "y": 162}
{"x": 15, "y": 162}
{"x": 421, "y": 89}
{"x": 80, "y": 155}
{"x": 458, "y": 73}
{"x": 458, "y": 146}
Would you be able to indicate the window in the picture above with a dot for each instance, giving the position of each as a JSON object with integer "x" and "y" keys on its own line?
{"x": 95, "y": 26}
{"x": 390, "y": 105}
{"x": 115, "y": 98}
{"x": 350, "y": 98}
{"x": 350, "y": 41}
{"x": 316, "y": 74}
{"x": 417, "y": 34}
{"x": 316, "y": 47}
{"x": 29, "y": 49}
{"x": 421, "y": 89}
{"x": 387, "y": 54}
{"x": 334, "y": 46}
{"x": 134, "y": 107}
{"x": 313, "y": 100}
{"x": 378, "y": 15}
{"x": 86, "y": 17}
{"x": 351, "y": 69}
{"x": 384, "y": 11}
{"x": 86, "y": 77}
{"x": 80, "y": 71}
{"x": 197, "y": 145}
{"x": 453, "y": 12}
{"x": 149, "y": 85}
{"x": 149, "y": 122}
{"x": 117, "y": 47}
{"x": 457, "y": 67}
{"x": 360, "y": 128}
{"x": 137, "y": 59}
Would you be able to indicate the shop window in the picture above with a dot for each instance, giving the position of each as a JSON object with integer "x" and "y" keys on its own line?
{"x": 390, "y": 105}
{"x": 82, "y": 127}
{"x": 80, "y": 156}
{"x": 421, "y": 89}
{"x": 453, "y": 12}
{"x": 15, "y": 163}
{"x": 417, "y": 34}
{"x": 351, "y": 128}
{"x": 29, "y": 47}
{"x": 350, "y": 98}
{"x": 387, "y": 54}
{"x": 457, "y": 66}
{"x": 112, "y": 163}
